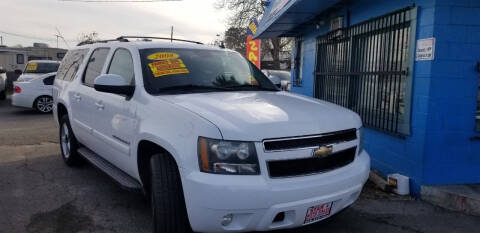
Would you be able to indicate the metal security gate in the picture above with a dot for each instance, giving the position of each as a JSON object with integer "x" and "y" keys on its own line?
{"x": 364, "y": 68}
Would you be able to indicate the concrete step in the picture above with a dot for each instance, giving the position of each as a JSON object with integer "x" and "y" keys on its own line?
{"x": 462, "y": 198}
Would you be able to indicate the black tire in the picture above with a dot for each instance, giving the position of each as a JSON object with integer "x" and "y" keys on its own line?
{"x": 43, "y": 104}
{"x": 166, "y": 195}
{"x": 69, "y": 153}
{"x": 3, "y": 95}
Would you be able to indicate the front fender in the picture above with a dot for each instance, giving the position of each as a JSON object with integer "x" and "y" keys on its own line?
{"x": 174, "y": 129}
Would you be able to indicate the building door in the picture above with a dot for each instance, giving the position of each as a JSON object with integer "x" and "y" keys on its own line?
{"x": 365, "y": 68}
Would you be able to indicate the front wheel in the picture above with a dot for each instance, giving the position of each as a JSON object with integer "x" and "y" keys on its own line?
{"x": 168, "y": 203}
{"x": 44, "y": 104}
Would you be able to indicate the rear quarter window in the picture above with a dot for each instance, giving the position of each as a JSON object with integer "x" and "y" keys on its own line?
{"x": 49, "y": 80}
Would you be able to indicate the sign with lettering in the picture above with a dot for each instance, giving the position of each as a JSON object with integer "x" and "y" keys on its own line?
{"x": 253, "y": 46}
{"x": 425, "y": 50}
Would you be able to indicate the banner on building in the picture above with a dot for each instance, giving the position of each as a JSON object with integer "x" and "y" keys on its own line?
{"x": 253, "y": 46}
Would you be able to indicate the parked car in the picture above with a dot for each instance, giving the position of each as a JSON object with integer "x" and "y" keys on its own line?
{"x": 207, "y": 136}
{"x": 3, "y": 83}
{"x": 280, "y": 78}
{"x": 35, "y": 93}
{"x": 36, "y": 68}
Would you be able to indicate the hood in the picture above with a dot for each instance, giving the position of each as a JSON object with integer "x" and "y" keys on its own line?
{"x": 255, "y": 116}
{"x": 28, "y": 77}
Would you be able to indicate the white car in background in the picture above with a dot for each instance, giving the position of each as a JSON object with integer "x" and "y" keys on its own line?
{"x": 280, "y": 78}
{"x": 35, "y": 93}
{"x": 37, "y": 68}
{"x": 3, "y": 83}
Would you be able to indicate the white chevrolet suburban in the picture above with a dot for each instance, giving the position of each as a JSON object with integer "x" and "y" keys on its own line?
{"x": 206, "y": 136}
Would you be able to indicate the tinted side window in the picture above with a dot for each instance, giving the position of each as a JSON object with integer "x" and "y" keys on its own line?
{"x": 70, "y": 64}
{"x": 95, "y": 65}
{"x": 49, "y": 80}
{"x": 122, "y": 64}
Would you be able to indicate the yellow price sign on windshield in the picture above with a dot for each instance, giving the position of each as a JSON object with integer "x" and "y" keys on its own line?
{"x": 162, "y": 56}
{"x": 32, "y": 66}
{"x": 168, "y": 67}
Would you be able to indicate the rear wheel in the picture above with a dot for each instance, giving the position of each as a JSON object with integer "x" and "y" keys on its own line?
{"x": 168, "y": 202}
{"x": 68, "y": 143}
{"x": 3, "y": 95}
{"x": 44, "y": 104}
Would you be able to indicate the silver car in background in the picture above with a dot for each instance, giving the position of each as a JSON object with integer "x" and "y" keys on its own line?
{"x": 280, "y": 78}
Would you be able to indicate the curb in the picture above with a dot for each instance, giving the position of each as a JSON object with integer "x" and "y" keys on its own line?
{"x": 461, "y": 198}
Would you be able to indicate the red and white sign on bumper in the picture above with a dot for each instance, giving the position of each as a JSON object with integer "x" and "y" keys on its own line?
{"x": 253, "y": 46}
{"x": 317, "y": 213}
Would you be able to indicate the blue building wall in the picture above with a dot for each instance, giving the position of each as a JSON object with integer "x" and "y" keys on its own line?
{"x": 438, "y": 151}
{"x": 451, "y": 157}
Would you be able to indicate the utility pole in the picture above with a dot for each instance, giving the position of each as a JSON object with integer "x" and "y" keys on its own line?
{"x": 58, "y": 36}
{"x": 171, "y": 34}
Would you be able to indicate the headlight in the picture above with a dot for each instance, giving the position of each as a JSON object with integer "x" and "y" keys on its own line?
{"x": 227, "y": 157}
{"x": 360, "y": 140}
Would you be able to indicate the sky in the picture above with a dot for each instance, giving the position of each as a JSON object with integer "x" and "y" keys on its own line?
{"x": 27, "y": 21}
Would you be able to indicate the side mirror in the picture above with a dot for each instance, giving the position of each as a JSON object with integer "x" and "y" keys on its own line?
{"x": 113, "y": 83}
{"x": 18, "y": 72}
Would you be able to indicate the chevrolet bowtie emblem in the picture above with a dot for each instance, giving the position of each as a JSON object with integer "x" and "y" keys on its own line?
{"x": 323, "y": 151}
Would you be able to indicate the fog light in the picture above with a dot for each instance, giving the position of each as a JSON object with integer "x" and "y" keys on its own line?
{"x": 227, "y": 219}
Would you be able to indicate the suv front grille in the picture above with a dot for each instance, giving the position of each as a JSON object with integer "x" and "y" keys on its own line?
{"x": 309, "y": 141}
{"x": 312, "y": 165}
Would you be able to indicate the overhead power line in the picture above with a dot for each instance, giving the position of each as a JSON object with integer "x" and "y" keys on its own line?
{"x": 30, "y": 37}
{"x": 114, "y": 1}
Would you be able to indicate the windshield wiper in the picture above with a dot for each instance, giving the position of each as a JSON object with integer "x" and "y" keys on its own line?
{"x": 191, "y": 87}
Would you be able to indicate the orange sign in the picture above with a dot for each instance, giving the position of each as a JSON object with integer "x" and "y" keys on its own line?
{"x": 253, "y": 51}
{"x": 168, "y": 67}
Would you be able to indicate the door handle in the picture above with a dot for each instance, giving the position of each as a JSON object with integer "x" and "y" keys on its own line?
{"x": 100, "y": 105}
{"x": 77, "y": 97}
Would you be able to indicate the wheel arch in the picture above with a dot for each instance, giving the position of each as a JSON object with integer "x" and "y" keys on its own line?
{"x": 145, "y": 150}
{"x": 61, "y": 110}
{"x": 40, "y": 96}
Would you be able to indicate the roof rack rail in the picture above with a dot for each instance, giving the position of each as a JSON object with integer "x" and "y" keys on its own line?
{"x": 125, "y": 39}
{"x": 156, "y": 38}
{"x": 100, "y": 41}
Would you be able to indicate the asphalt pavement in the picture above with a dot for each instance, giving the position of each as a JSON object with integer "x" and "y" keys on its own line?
{"x": 38, "y": 193}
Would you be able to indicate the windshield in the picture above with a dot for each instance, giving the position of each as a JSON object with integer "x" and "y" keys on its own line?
{"x": 193, "y": 70}
{"x": 41, "y": 68}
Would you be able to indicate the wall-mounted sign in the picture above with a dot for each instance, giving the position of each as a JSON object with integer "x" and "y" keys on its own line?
{"x": 425, "y": 49}
{"x": 253, "y": 46}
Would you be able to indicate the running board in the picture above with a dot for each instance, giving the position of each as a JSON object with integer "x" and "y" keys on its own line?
{"x": 122, "y": 178}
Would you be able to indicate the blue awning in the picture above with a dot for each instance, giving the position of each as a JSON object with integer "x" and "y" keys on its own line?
{"x": 282, "y": 17}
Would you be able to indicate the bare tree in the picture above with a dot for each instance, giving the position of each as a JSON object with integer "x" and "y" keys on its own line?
{"x": 246, "y": 10}
{"x": 235, "y": 39}
{"x": 88, "y": 37}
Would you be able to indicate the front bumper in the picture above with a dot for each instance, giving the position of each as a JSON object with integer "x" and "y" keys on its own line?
{"x": 254, "y": 201}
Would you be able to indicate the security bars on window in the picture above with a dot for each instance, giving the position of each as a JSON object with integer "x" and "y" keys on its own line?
{"x": 364, "y": 68}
